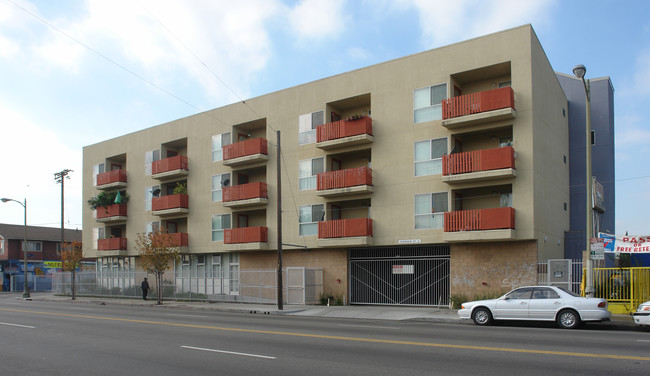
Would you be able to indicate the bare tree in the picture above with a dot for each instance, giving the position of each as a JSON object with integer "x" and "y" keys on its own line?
{"x": 71, "y": 256}
{"x": 158, "y": 251}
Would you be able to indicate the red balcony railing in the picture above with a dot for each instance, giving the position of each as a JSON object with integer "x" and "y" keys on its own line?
{"x": 177, "y": 201}
{"x": 245, "y": 148}
{"x": 246, "y": 235}
{"x": 112, "y": 244}
{"x": 245, "y": 192}
{"x": 179, "y": 239}
{"x": 343, "y": 228}
{"x": 478, "y": 160}
{"x": 113, "y": 176}
{"x": 478, "y": 102}
{"x": 480, "y": 219}
{"x": 344, "y": 178}
{"x": 344, "y": 128}
{"x": 178, "y": 162}
{"x": 115, "y": 210}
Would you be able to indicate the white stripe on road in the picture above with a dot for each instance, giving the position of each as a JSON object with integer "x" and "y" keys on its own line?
{"x": 643, "y": 340}
{"x": 178, "y": 314}
{"x": 371, "y": 327}
{"x": 18, "y": 325}
{"x": 228, "y": 352}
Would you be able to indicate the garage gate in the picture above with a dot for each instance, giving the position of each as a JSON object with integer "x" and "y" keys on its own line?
{"x": 405, "y": 275}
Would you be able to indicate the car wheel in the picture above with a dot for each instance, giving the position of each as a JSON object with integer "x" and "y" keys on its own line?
{"x": 482, "y": 316}
{"x": 568, "y": 319}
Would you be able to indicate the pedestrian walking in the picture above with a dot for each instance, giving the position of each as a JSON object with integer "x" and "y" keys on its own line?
{"x": 145, "y": 288}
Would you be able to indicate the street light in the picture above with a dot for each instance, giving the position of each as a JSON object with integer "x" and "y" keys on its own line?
{"x": 25, "y": 287}
{"x": 579, "y": 71}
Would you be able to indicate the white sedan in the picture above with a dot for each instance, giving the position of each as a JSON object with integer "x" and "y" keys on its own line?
{"x": 539, "y": 303}
{"x": 642, "y": 314}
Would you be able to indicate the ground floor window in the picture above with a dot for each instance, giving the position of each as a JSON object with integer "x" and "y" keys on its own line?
{"x": 117, "y": 274}
{"x": 216, "y": 274}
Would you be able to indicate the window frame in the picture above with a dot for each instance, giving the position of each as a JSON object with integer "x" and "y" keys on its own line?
{"x": 437, "y": 167}
{"x": 311, "y": 179}
{"x": 98, "y": 169}
{"x": 219, "y": 188}
{"x": 431, "y": 106}
{"x": 149, "y": 158}
{"x": 435, "y": 214}
{"x": 217, "y": 154}
{"x": 308, "y": 136}
{"x": 302, "y": 225}
{"x": 220, "y": 230}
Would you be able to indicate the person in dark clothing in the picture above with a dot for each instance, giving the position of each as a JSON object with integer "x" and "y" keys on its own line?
{"x": 145, "y": 288}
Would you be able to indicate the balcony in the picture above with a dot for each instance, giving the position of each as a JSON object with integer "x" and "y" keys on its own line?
{"x": 111, "y": 247}
{"x": 479, "y": 108}
{"x": 170, "y": 205}
{"x": 345, "y": 182}
{"x": 245, "y": 195}
{"x": 247, "y": 152}
{"x": 344, "y": 133}
{"x": 246, "y": 238}
{"x": 111, "y": 213}
{"x": 479, "y": 165}
{"x": 180, "y": 239}
{"x": 111, "y": 179}
{"x": 480, "y": 225}
{"x": 169, "y": 168}
{"x": 345, "y": 232}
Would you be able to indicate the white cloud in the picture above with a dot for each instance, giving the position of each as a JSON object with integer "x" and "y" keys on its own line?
{"x": 642, "y": 74}
{"x": 318, "y": 19}
{"x": 31, "y": 155}
{"x": 444, "y": 21}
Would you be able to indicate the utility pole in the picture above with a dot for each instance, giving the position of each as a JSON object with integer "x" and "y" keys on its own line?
{"x": 279, "y": 193}
{"x": 60, "y": 177}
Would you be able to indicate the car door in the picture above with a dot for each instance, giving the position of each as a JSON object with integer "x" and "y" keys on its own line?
{"x": 544, "y": 304}
{"x": 514, "y": 305}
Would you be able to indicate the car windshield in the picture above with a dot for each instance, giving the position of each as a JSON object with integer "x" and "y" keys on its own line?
{"x": 570, "y": 292}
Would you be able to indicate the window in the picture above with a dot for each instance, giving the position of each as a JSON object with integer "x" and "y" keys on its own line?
{"x": 593, "y": 138}
{"x": 216, "y": 266}
{"x": 2, "y": 245}
{"x": 505, "y": 200}
{"x": 428, "y": 156}
{"x": 427, "y": 103}
{"x": 218, "y": 182}
{"x": 234, "y": 273}
{"x": 522, "y": 293}
{"x": 34, "y": 246}
{"x": 149, "y": 194}
{"x": 218, "y": 142}
{"x": 98, "y": 233}
{"x": 308, "y": 169}
{"x": 545, "y": 293}
{"x": 149, "y": 158}
{"x": 151, "y": 227}
{"x": 219, "y": 223}
{"x": 97, "y": 169}
{"x": 307, "y": 125}
{"x": 429, "y": 209}
{"x": 310, "y": 215}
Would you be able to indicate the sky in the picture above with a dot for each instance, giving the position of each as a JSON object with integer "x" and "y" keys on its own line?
{"x": 77, "y": 72}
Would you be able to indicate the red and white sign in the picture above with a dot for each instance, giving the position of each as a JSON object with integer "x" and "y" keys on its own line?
{"x": 403, "y": 269}
{"x": 632, "y": 244}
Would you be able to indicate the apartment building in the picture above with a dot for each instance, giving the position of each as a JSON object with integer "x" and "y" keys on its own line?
{"x": 444, "y": 172}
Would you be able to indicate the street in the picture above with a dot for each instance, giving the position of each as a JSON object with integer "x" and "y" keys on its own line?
{"x": 67, "y": 338}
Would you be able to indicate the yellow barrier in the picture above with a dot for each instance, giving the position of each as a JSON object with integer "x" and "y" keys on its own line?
{"x": 624, "y": 288}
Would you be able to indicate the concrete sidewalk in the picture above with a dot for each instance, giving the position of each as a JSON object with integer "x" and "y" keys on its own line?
{"x": 368, "y": 312}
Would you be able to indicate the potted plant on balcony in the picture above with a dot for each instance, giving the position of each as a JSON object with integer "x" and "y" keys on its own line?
{"x": 180, "y": 188}
{"x": 106, "y": 199}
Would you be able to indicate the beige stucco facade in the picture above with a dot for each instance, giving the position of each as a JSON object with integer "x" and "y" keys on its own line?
{"x": 537, "y": 187}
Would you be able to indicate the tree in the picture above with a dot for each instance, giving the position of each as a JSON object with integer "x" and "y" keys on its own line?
{"x": 71, "y": 256}
{"x": 158, "y": 251}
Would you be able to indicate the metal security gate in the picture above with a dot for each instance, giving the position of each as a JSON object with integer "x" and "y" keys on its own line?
{"x": 405, "y": 275}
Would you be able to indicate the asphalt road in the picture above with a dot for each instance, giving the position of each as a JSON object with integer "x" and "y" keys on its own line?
{"x": 59, "y": 338}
